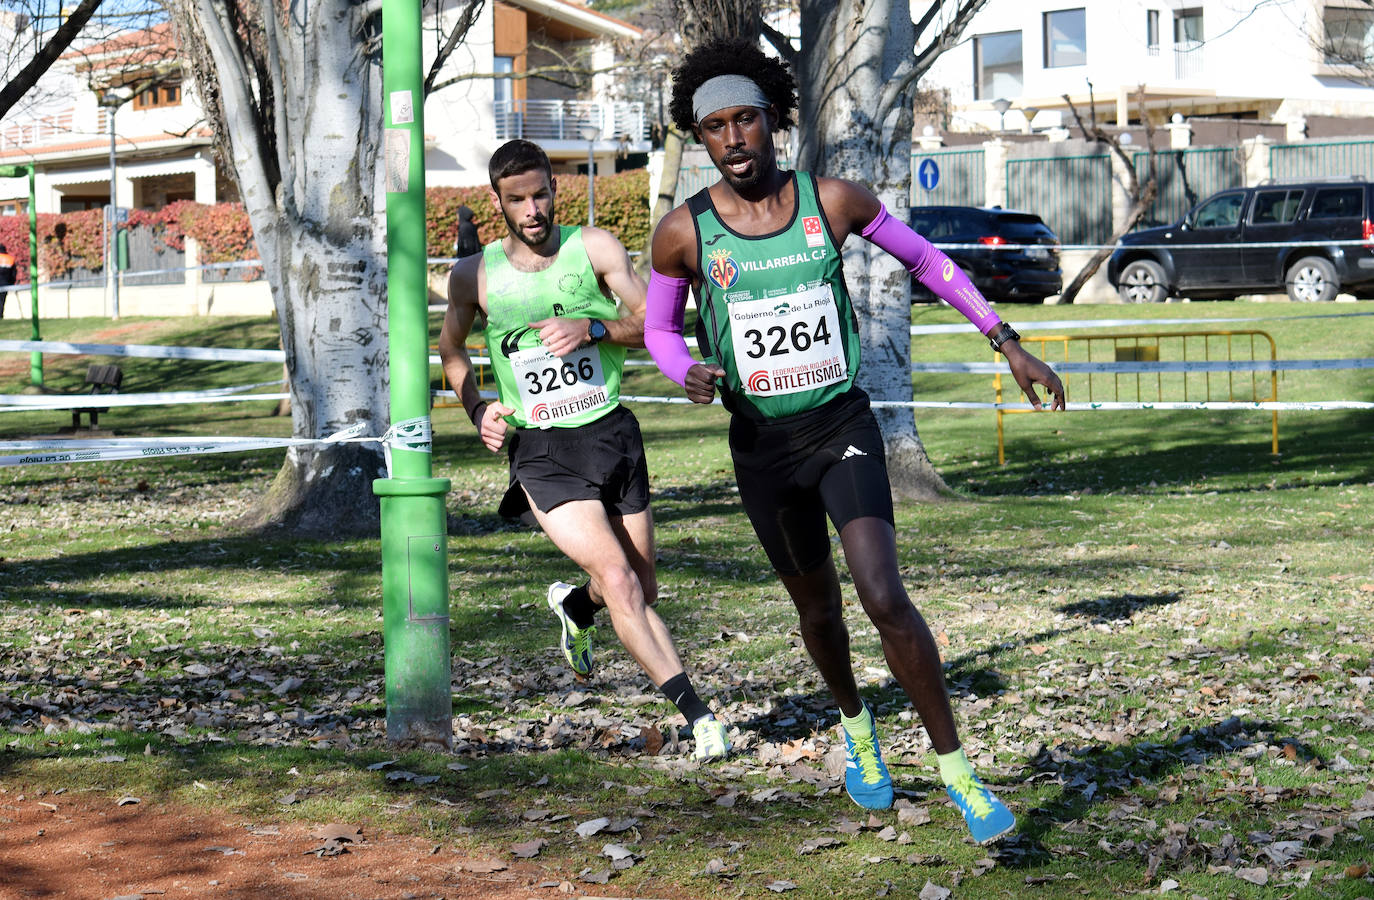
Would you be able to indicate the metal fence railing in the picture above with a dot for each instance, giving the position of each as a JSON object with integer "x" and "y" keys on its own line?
{"x": 1186, "y": 178}
{"x": 948, "y": 178}
{"x": 1313, "y": 159}
{"x": 565, "y": 120}
{"x": 1176, "y": 377}
{"x": 1073, "y": 194}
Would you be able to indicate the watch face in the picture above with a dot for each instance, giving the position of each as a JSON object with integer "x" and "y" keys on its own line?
{"x": 597, "y": 330}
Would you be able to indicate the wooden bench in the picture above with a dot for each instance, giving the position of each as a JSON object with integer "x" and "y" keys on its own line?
{"x": 99, "y": 380}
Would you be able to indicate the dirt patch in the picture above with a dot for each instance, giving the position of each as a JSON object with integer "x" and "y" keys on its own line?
{"x": 91, "y": 848}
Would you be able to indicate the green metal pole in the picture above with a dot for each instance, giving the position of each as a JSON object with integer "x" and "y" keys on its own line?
{"x": 415, "y": 622}
{"x": 36, "y": 357}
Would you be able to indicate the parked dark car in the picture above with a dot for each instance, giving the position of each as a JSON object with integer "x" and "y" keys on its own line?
{"x": 1009, "y": 254}
{"x": 1263, "y": 239}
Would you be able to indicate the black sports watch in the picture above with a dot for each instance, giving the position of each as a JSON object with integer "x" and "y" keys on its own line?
{"x": 1001, "y": 336}
{"x": 596, "y": 331}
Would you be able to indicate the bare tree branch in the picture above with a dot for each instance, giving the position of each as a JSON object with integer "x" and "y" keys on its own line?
{"x": 60, "y": 40}
{"x": 1142, "y": 194}
{"x": 466, "y": 19}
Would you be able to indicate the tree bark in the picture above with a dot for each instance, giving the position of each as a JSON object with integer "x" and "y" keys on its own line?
{"x": 851, "y": 50}
{"x": 673, "y": 143}
{"x": 298, "y": 99}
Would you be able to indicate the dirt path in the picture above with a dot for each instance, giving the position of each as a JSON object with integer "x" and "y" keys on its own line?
{"x": 61, "y": 845}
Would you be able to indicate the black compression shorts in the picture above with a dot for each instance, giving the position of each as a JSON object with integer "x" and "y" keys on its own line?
{"x": 795, "y": 471}
{"x": 602, "y": 460}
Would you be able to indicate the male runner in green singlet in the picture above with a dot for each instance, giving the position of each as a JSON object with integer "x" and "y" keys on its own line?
{"x": 779, "y": 336}
{"x": 557, "y": 346}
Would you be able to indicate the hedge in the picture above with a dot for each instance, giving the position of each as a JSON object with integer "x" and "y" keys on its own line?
{"x": 72, "y": 240}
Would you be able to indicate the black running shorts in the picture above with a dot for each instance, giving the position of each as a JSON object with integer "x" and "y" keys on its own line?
{"x": 603, "y": 460}
{"x": 795, "y": 471}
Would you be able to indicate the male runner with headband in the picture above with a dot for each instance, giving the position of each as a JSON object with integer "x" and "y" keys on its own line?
{"x": 780, "y": 339}
{"x": 557, "y": 346}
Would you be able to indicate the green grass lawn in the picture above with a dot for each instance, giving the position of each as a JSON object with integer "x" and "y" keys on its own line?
{"x": 1156, "y": 635}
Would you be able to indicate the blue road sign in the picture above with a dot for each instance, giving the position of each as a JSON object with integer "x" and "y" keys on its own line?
{"x": 928, "y": 173}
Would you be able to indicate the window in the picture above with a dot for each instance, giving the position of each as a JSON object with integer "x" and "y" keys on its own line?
{"x": 1188, "y": 26}
{"x": 166, "y": 93}
{"x": 1349, "y": 34}
{"x": 1188, "y": 61}
{"x": 1066, "y": 38}
{"x": 1276, "y": 207}
{"x": 1337, "y": 203}
{"x": 997, "y": 65}
{"x": 18, "y": 207}
{"x": 1223, "y": 212}
{"x": 1152, "y": 31}
{"x": 502, "y": 88}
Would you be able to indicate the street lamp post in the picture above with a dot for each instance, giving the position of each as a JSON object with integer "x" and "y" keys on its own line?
{"x": 1001, "y": 104}
{"x": 589, "y": 134}
{"x": 112, "y": 99}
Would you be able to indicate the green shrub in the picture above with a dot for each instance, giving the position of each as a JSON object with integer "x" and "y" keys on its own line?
{"x": 74, "y": 240}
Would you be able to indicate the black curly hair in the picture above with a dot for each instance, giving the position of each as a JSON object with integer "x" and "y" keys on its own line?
{"x": 732, "y": 56}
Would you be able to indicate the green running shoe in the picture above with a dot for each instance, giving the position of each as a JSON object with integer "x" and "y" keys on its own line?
{"x": 711, "y": 740}
{"x": 576, "y": 642}
{"x": 986, "y": 816}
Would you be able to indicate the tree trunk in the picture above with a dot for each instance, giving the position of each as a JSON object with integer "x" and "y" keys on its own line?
{"x": 299, "y": 108}
{"x": 850, "y": 51}
{"x": 673, "y": 143}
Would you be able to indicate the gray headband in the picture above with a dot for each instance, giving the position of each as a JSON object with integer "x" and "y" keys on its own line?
{"x": 725, "y": 91}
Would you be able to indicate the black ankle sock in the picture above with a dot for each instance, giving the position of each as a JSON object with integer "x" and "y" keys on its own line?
{"x": 579, "y": 606}
{"x": 678, "y": 690}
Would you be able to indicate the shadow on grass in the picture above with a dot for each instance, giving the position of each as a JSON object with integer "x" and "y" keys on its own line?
{"x": 1231, "y": 454}
{"x": 974, "y": 673}
{"x": 1091, "y": 775}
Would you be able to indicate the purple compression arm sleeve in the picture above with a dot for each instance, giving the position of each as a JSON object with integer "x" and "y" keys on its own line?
{"x": 665, "y": 306}
{"x": 932, "y": 268}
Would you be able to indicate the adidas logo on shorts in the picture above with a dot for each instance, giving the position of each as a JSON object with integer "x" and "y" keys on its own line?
{"x": 851, "y": 450}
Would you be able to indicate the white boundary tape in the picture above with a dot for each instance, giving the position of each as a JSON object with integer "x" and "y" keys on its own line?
{"x": 1150, "y": 367}
{"x": 146, "y": 351}
{"x": 34, "y": 402}
{"x": 30, "y": 453}
{"x": 1055, "y": 325}
{"x": 1107, "y": 406}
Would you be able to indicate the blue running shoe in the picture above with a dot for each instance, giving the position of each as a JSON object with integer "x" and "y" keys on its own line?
{"x": 987, "y": 817}
{"x": 865, "y": 775}
{"x": 576, "y": 642}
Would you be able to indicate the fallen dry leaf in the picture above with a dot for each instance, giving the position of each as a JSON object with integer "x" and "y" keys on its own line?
{"x": 529, "y": 849}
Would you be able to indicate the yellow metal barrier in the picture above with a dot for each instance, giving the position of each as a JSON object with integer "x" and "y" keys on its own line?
{"x": 480, "y": 371}
{"x": 1156, "y": 387}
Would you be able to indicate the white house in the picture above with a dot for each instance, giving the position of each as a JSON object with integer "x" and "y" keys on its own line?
{"x": 1278, "y": 60}
{"x": 162, "y": 145}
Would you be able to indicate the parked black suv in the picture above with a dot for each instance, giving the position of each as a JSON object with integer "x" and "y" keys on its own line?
{"x": 1009, "y": 255}
{"x": 1261, "y": 239}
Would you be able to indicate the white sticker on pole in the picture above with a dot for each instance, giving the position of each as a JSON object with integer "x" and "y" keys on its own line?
{"x": 402, "y": 108}
{"x": 397, "y": 160}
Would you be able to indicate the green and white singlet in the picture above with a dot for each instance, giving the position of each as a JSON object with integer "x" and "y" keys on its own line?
{"x": 774, "y": 309}
{"x": 547, "y": 391}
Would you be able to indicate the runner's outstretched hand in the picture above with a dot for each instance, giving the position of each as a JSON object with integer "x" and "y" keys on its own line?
{"x": 492, "y": 426}
{"x": 701, "y": 382}
{"x": 1029, "y": 371}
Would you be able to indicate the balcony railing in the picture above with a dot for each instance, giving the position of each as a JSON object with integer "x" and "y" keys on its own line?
{"x": 1188, "y": 59}
{"x": 563, "y": 120}
{"x": 48, "y": 130}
